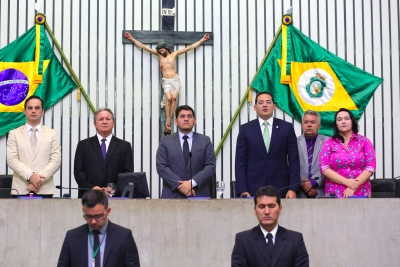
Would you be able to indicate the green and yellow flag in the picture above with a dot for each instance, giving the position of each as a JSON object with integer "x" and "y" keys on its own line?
{"x": 302, "y": 75}
{"x": 28, "y": 66}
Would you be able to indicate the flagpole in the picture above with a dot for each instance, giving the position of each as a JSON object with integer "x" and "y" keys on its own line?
{"x": 71, "y": 71}
{"x": 246, "y": 94}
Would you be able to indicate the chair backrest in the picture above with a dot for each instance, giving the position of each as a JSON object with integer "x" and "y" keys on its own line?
{"x": 233, "y": 189}
{"x": 387, "y": 188}
{"x": 213, "y": 187}
{"x": 5, "y": 182}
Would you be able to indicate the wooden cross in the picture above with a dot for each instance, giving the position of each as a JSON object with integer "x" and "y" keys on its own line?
{"x": 167, "y": 35}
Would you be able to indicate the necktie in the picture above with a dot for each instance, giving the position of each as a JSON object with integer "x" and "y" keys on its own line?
{"x": 310, "y": 153}
{"x": 266, "y": 135}
{"x": 33, "y": 140}
{"x": 185, "y": 149}
{"x": 96, "y": 244}
{"x": 270, "y": 243}
{"x": 103, "y": 147}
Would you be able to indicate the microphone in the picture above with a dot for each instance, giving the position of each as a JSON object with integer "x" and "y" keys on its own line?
{"x": 11, "y": 189}
{"x": 372, "y": 185}
{"x": 315, "y": 178}
{"x": 190, "y": 168}
{"x": 73, "y": 188}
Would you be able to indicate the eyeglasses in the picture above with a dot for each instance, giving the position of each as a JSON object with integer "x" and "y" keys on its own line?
{"x": 97, "y": 217}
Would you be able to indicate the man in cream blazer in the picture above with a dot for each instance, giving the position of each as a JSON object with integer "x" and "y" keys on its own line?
{"x": 34, "y": 160}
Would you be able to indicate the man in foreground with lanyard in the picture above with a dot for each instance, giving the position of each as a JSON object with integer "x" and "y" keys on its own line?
{"x": 100, "y": 243}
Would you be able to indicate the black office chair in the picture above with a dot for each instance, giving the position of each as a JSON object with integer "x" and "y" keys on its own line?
{"x": 387, "y": 188}
{"x": 5, "y": 182}
{"x": 397, "y": 188}
{"x": 233, "y": 189}
{"x": 213, "y": 187}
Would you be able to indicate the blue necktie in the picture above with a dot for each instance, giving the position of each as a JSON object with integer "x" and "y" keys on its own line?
{"x": 103, "y": 147}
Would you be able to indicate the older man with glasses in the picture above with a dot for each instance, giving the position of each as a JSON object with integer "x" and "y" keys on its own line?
{"x": 99, "y": 242}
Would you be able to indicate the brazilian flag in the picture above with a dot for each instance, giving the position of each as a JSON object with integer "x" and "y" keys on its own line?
{"x": 302, "y": 75}
{"x": 28, "y": 66}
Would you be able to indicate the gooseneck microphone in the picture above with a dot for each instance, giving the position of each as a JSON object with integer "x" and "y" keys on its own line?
{"x": 190, "y": 169}
{"x": 10, "y": 189}
{"x": 303, "y": 181}
{"x": 73, "y": 188}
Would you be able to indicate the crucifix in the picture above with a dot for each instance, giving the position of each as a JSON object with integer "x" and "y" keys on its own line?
{"x": 165, "y": 41}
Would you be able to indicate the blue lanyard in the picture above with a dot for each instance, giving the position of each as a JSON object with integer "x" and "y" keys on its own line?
{"x": 94, "y": 253}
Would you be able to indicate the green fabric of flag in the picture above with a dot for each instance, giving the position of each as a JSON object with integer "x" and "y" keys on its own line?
{"x": 28, "y": 66}
{"x": 302, "y": 75}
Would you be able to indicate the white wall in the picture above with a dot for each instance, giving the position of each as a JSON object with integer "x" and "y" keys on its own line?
{"x": 214, "y": 78}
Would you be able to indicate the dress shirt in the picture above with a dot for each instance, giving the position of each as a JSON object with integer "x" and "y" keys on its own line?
{"x": 29, "y": 127}
{"x": 273, "y": 232}
{"x": 102, "y": 235}
{"x": 270, "y": 123}
{"x": 190, "y": 140}
{"x": 108, "y": 140}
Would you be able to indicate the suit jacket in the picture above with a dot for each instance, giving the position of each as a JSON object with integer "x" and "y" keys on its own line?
{"x": 172, "y": 168}
{"x": 303, "y": 156}
{"x": 255, "y": 167}
{"x": 251, "y": 249}
{"x": 46, "y": 160}
{"x": 120, "y": 249}
{"x": 91, "y": 169}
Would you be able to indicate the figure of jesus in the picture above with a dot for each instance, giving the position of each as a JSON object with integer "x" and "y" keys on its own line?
{"x": 170, "y": 81}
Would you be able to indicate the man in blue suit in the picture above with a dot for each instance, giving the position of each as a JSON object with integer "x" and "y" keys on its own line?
{"x": 185, "y": 160}
{"x": 267, "y": 152}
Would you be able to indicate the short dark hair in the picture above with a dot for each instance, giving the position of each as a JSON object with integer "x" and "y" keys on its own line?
{"x": 183, "y": 107}
{"x": 93, "y": 197}
{"x": 33, "y": 97}
{"x": 268, "y": 191}
{"x": 264, "y": 93}
{"x": 354, "y": 125}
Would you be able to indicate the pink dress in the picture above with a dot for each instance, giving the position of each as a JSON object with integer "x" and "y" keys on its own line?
{"x": 348, "y": 162}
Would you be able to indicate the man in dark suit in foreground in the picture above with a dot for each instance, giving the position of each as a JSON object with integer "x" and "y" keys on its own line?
{"x": 266, "y": 152}
{"x": 173, "y": 159}
{"x": 99, "y": 242}
{"x": 268, "y": 244}
{"x": 99, "y": 159}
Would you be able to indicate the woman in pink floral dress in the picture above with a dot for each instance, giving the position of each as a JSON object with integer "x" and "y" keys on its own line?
{"x": 347, "y": 159}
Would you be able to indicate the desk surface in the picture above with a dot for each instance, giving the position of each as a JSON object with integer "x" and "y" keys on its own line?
{"x": 337, "y": 232}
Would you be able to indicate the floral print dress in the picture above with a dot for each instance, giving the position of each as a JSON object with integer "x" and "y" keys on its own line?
{"x": 350, "y": 162}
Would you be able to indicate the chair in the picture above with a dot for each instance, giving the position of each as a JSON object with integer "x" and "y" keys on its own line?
{"x": 387, "y": 188}
{"x": 137, "y": 180}
{"x": 5, "y": 182}
{"x": 397, "y": 187}
{"x": 213, "y": 187}
{"x": 233, "y": 189}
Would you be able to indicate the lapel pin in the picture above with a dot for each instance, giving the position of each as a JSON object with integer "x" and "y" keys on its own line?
{"x": 277, "y": 126}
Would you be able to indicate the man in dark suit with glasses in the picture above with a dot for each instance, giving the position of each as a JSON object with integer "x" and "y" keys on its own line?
{"x": 99, "y": 242}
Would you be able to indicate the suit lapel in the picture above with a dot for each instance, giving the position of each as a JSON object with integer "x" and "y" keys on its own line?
{"x": 25, "y": 134}
{"x": 317, "y": 148}
{"x": 275, "y": 133}
{"x": 303, "y": 147}
{"x": 279, "y": 245}
{"x": 109, "y": 241}
{"x": 258, "y": 134}
{"x": 178, "y": 148}
{"x": 41, "y": 138}
{"x": 83, "y": 243}
{"x": 111, "y": 147}
{"x": 97, "y": 148}
{"x": 261, "y": 244}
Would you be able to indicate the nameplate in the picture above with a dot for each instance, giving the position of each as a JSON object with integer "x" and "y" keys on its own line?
{"x": 198, "y": 198}
{"x": 358, "y": 197}
{"x": 117, "y": 198}
{"x": 28, "y": 197}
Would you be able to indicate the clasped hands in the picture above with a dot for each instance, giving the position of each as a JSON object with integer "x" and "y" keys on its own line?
{"x": 185, "y": 188}
{"x": 35, "y": 182}
{"x": 352, "y": 185}
{"x": 308, "y": 188}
